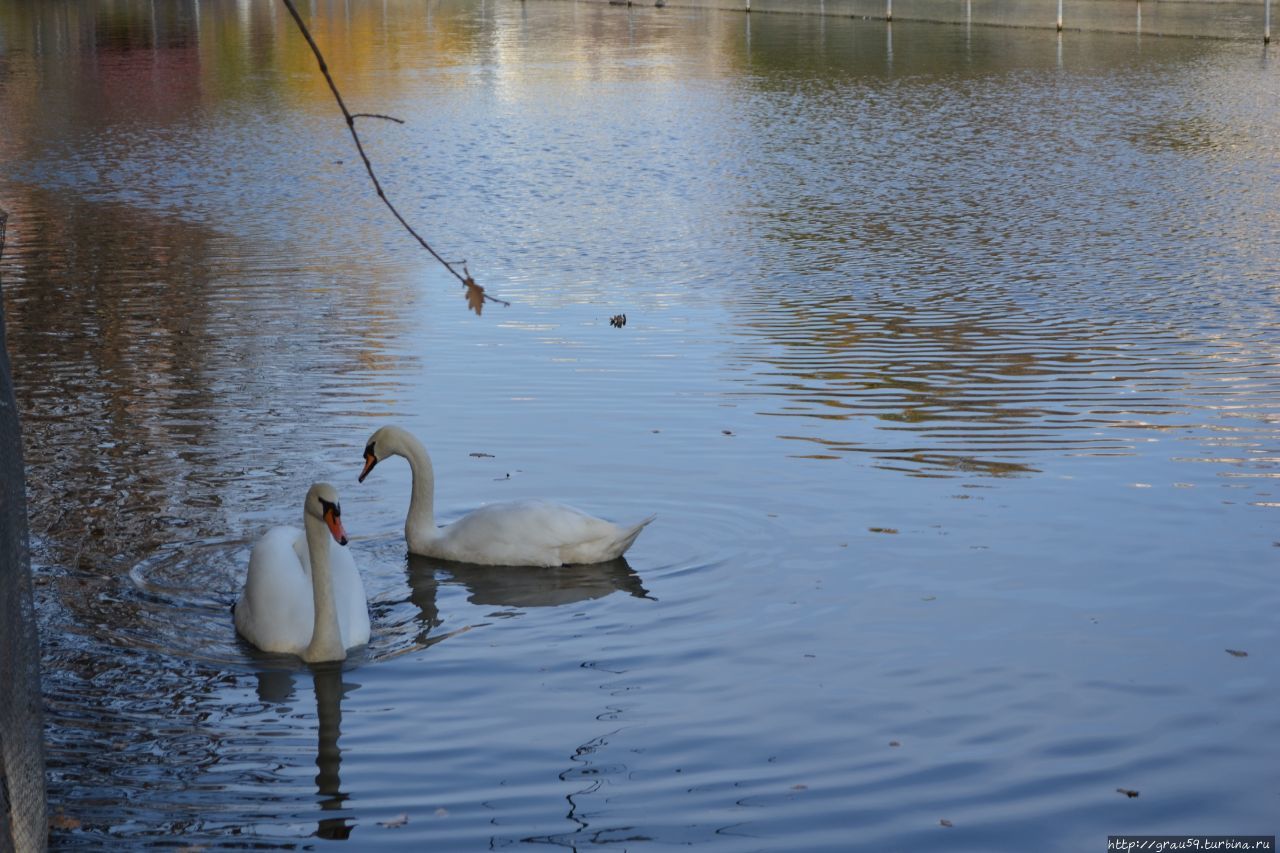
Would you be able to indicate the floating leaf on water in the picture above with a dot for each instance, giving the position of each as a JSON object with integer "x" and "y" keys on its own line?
{"x": 945, "y": 822}
{"x": 1237, "y": 653}
{"x": 395, "y": 822}
{"x": 482, "y": 455}
{"x": 883, "y": 529}
{"x": 1127, "y": 792}
{"x": 63, "y": 822}
{"x": 726, "y": 432}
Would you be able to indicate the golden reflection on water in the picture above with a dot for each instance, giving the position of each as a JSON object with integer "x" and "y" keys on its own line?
{"x": 960, "y": 360}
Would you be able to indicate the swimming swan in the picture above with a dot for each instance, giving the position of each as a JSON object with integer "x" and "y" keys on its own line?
{"x": 517, "y": 533}
{"x": 302, "y": 595}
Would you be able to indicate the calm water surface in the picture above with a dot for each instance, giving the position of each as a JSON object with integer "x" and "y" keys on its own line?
{"x": 951, "y": 369}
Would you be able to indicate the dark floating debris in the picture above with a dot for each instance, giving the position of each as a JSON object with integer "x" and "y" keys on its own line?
{"x": 482, "y": 455}
{"x": 1237, "y": 653}
{"x": 1128, "y": 793}
{"x": 945, "y": 822}
{"x": 883, "y": 529}
{"x": 618, "y": 321}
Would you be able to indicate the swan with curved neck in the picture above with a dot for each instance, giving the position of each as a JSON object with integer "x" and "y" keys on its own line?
{"x": 515, "y": 533}
{"x": 304, "y": 596}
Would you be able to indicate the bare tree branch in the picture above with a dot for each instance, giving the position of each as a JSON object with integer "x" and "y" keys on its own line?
{"x": 378, "y": 115}
{"x": 476, "y": 297}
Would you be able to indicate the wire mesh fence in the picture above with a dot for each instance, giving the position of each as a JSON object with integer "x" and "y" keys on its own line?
{"x": 23, "y": 824}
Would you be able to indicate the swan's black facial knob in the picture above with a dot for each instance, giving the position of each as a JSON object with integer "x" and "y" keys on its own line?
{"x": 332, "y": 514}
{"x": 370, "y": 459}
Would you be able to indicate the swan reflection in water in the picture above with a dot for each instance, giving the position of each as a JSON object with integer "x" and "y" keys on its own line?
{"x": 516, "y": 586}
{"x": 277, "y": 687}
{"x": 503, "y": 586}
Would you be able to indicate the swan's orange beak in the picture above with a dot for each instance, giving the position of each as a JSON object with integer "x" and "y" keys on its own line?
{"x": 334, "y": 520}
{"x": 369, "y": 461}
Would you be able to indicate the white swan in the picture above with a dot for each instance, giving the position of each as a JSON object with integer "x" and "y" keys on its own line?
{"x": 302, "y": 595}
{"x": 517, "y": 533}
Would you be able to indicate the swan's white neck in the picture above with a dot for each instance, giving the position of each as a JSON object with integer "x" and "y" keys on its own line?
{"x": 326, "y": 635}
{"x": 420, "y": 523}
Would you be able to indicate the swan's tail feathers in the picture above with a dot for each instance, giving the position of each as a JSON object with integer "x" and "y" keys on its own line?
{"x": 628, "y": 536}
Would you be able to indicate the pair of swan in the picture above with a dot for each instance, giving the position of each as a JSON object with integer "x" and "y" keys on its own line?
{"x": 305, "y": 597}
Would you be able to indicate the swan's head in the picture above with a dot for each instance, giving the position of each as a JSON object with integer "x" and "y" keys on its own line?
{"x": 322, "y": 503}
{"x": 386, "y": 441}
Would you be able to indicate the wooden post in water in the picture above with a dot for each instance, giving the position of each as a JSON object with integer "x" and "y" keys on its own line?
{"x": 748, "y": 9}
{"x": 1266, "y": 22}
{"x": 1059, "y": 15}
{"x": 888, "y": 10}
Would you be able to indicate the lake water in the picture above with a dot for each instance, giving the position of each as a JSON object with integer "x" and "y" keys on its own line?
{"x": 951, "y": 368}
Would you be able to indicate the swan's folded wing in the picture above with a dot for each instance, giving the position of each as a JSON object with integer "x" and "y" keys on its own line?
{"x": 276, "y": 609}
{"x": 531, "y": 533}
{"x": 348, "y": 591}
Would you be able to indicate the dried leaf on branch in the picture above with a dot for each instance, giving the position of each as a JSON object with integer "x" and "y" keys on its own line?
{"x": 475, "y": 295}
